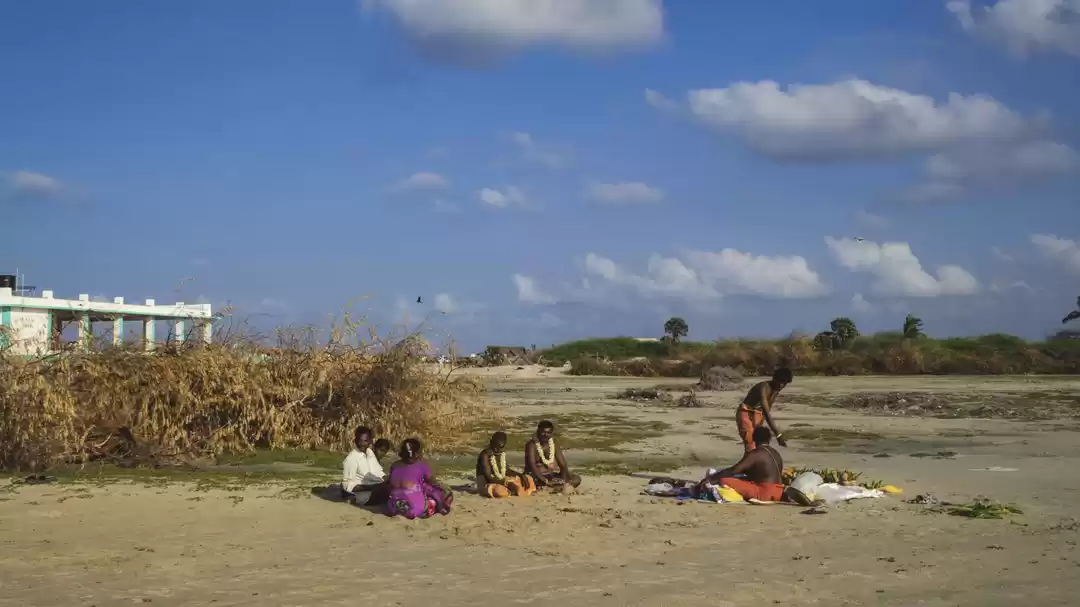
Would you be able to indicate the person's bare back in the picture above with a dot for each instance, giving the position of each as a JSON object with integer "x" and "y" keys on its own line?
{"x": 765, "y": 465}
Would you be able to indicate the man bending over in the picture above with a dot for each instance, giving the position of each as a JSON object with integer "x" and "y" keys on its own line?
{"x": 763, "y": 468}
{"x": 545, "y": 463}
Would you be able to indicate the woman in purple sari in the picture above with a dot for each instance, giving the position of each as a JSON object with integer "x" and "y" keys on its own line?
{"x": 414, "y": 492}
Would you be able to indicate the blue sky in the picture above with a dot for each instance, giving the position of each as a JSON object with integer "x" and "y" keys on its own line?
{"x": 546, "y": 170}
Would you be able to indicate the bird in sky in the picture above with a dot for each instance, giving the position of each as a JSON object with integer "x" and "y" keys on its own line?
{"x": 859, "y": 239}
{"x": 1074, "y": 314}
{"x": 420, "y": 300}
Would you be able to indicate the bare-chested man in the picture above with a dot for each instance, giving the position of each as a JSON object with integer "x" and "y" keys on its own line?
{"x": 545, "y": 463}
{"x": 763, "y": 468}
{"x": 756, "y": 408}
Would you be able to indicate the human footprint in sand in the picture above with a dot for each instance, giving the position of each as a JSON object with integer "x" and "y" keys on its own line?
{"x": 546, "y": 464}
{"x": 763, "y": 468}
{"x": 494, "y": 478}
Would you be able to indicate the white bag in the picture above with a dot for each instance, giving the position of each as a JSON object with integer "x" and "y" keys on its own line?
{"x": 807, "y": 483}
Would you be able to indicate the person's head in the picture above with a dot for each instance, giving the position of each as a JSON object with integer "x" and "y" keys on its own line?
{"x": 762, "y": 436}
{"x": 410, "y": 450}
{"x": 545, "y": 430}
{"x": 362, "y": 438}
{"x": 781, "y": 378}
{"x": 381, "y": 448}
{"x": 498, "y": 442}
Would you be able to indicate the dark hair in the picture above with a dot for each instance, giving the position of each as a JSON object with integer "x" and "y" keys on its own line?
{"x": 762, "y": 435}
{"x": 782, "y": 375}
{"x": 360, "y": 431}
{"x": 545, "y": 425}
{"x": 498, "y": 437}
{"x": 381, "y": 445}
{"x": 410, "y": 449}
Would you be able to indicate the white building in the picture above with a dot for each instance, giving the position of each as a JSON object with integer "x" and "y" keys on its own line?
{"x": 32, "y": 325}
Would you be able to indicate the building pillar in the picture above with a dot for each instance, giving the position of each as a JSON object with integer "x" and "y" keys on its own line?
{"x": 207, "y": 332}
{"x": 86, "y": 332}
{"x": 148, "y": 330}
{"x": 118, "y": 326}
{"x": 178, "y": 330}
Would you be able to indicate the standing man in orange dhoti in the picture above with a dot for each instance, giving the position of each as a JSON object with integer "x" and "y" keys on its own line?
{"x": 756, "y": 408}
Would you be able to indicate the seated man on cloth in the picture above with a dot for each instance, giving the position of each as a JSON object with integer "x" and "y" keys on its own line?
{"x": 762, "y": 468}
{"x": 363, "y": 481}
{"x": 546, "y": 464}
{"x": 494, "y": 478}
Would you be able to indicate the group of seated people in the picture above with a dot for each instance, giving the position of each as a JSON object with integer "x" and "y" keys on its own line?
{"x": 411, "y": 490}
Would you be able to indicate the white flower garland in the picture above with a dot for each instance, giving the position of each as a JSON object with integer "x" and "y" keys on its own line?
{"x": 547, "y": 460}
{"x": 498, "y": 470}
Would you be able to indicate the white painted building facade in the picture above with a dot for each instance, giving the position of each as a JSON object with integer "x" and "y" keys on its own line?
{"x": 31, "y": 325}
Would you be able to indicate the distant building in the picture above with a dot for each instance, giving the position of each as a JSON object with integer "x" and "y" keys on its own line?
{"x": 32, "y": 325}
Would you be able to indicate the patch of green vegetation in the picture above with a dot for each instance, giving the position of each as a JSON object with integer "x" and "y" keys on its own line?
{"x": 613, "y": 348}
{"x": 622, "y": 467}
{"x": 204, "y": 479}
{"x": 573, "y": 431}
{"x": 982, "y": 509}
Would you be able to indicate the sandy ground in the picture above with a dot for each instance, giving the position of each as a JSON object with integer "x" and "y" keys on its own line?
{"x": 609, "y": 545}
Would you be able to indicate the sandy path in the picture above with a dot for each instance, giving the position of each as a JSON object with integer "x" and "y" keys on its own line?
{"x": 173, "y": 545}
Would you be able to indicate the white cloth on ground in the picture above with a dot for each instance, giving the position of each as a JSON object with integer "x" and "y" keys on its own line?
{"x": 832, "y": 493}
{"x": 361, "y": 468}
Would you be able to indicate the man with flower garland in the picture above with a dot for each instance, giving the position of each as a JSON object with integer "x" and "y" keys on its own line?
{"x": 545, "y": 463}
{"x": 494, "y": 478}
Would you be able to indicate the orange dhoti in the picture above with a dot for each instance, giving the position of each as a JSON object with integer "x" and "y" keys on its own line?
{"x": 746, "y": 420}
{"x": 514, "y": 485}
{"x": 765, "y": 492}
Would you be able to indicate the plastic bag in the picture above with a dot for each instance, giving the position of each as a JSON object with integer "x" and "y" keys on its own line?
{"x": 807, "y": 483}
{"x": 832, "y": 493}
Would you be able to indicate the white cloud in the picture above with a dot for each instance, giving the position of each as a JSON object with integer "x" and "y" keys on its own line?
{"x": 859, "y": 304}
{"x": 504, "y": 26}
{"x": 851, "y": 119}
{"x": 501, "y": 199}
{"x": 445, "y": 303}
{"x": 32, "y": 185}
{"x": 1002, "y": 255}
{"x": 705, "y": 275}
{"x": 659, "y": 101}
{"x": 1024, "y": 26}
{"x": 960, "y": 171}
{"x": 897, "y": 271}
{"x": 528, "y": 291}
{"x": 1062, "y": 251}
{"x": 422, "y": 181}
{"x": 623, "y": 193}
{"x": 533, "y": 152}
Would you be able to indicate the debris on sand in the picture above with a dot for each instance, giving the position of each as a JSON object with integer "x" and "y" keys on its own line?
{"x": 644, "y": 394}
{"x": 720, "y": 378}
{"x": 689, "y": 401}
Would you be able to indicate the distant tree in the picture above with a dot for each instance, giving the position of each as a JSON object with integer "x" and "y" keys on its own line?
{"x": 913, "y": 327}
{"x": 845, "y": 330}
{"x": 675, "y": 329}
{"x": 1074, "y": 314}
{"x": 826, "y": 341}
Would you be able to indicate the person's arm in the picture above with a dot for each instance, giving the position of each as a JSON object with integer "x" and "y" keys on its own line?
{"x": 530, "y": 463}
{"x": 563, "y": 468}
{"x": 351, "y": 474}
{"x": 766, "y": 410}
{"x": 489, "y": 475}
{"x": 741, "y": 467}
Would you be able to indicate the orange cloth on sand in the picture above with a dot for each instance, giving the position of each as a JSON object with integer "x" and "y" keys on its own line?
{"x": 746, "y": 420}
{"x": 765, "y": 492}
{"x": 514, "y": 486}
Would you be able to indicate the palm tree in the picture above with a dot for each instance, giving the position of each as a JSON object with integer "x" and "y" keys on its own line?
{"x": 1074, "y": 314}
{"x": 913, "y": 327}
{"x": 676, "y": 328}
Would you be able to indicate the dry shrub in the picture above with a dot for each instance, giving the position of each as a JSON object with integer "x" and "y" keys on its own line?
{"x": 720, "y": 378}
{"x": 128, "y": 406}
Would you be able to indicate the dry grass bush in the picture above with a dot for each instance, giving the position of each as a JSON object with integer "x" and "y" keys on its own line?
{"x": 196, "y": 401}
{"x": 720, "y": 378}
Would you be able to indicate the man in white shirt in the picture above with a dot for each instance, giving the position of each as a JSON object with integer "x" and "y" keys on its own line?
{"x": 363, "y": 481}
